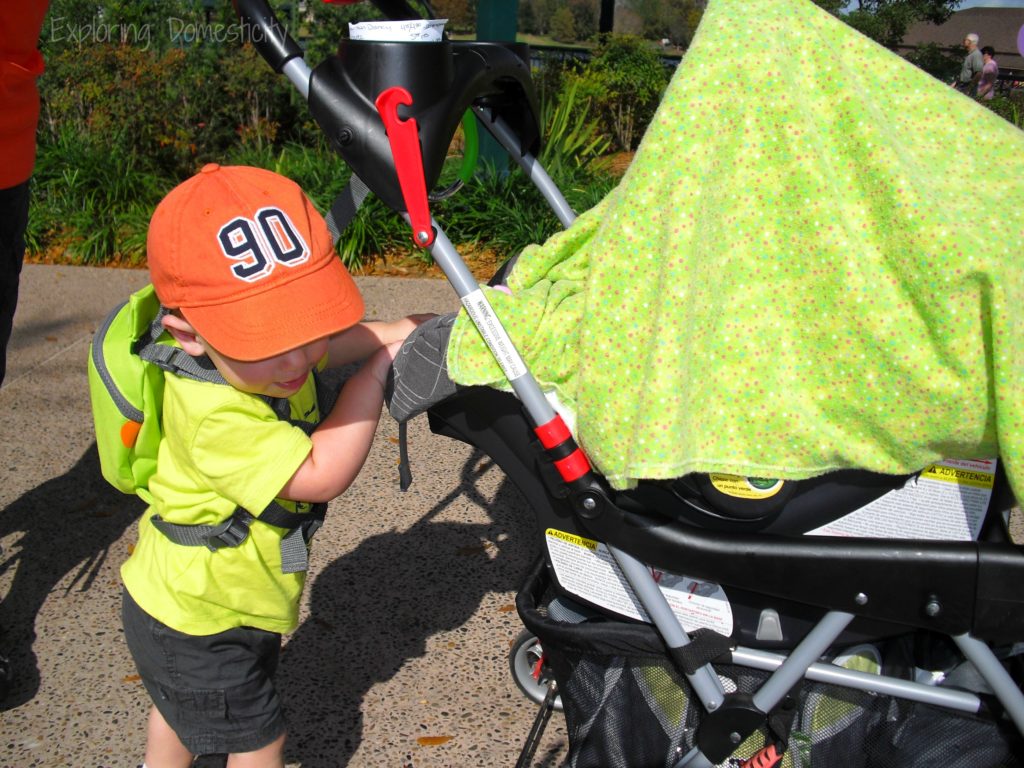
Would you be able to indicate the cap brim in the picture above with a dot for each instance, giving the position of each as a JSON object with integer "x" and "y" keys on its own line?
{"x": 318, "y": 304}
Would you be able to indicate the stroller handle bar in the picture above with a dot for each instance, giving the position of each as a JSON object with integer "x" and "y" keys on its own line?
{"x": 266, "y": 33}
{"x": 443, "y": 79}
{"x": 390, "y": 109}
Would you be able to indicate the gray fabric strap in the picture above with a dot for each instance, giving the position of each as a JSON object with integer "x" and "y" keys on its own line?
{"x": 172, "y": 359}
{"x": 283, "y": 410}
{"x": 345, "y": 206}
{"x": 404, "y": 467}
{"x": 229, "y": 533}
{"x": 235, "y": 530}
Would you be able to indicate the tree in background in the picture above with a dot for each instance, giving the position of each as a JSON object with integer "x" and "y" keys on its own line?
{"x": 675, "y": 20}
{"x": 887, "y": 21}
{"x": 563, "y": 26}
{"x": 461, "y": 14}
{"x": 585, "y": 14}
{"x": 933, "y": 60}
{"x": 525, "y": 22}
{"x": 835, "y": 7}
{"x": 537, "y": 20}
{"x": 623, "y": 81}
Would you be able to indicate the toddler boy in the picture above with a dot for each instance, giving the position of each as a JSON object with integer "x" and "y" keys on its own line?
{"x": 247, "y": 268}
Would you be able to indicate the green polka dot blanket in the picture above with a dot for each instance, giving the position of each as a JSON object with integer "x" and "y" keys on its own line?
{"x": 813, "y": 263}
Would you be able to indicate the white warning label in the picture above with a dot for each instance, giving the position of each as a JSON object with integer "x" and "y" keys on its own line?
{"x": 587, "y": 569}
{"x": 947, "y": 500}
{"x": 494, "y": 335}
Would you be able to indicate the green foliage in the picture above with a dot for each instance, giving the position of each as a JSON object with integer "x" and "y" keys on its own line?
{"x": 177, "y": 107}
{"x": 93, "y": 201}
{"x": 623, "y": 81}
{"x": 1010, "y": 108}
{"x": 563, "y": 26}
{"x": 585, "y": 15}
{"x": 572, "y": 138}
{"x": 832, "y": 6}
{"x": 138, "y": 95}
{"x": 933, "y": 60}
{"x": 537, "y": 20}
{"x": 461, "y": 14}
{"x": 887, "y": 21}
{"x": 675, "y": 20}
{"x": 328, "y": 25}
{"x": 505, "y": 211}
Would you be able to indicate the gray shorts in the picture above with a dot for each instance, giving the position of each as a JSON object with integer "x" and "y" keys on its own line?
{"x": 216, "y": 691}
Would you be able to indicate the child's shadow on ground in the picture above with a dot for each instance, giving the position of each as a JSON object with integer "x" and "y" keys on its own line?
{"x": 374, "y": 608}
{"x": 67, "y": 523}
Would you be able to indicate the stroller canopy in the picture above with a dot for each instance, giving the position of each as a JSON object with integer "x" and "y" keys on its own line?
{"x": 813, "y": 262}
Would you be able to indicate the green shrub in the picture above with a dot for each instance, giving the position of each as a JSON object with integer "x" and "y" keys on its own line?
{"x": 624, "y": 82}
{"x": 935, "y": 62}
{"x": 1010, "y": 108}
{"x": 571, "y": 138}
{"x": 124, "y": 121}
{"x": 92, "y": 201}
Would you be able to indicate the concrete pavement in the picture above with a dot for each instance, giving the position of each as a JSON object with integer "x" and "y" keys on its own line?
{"x": 401, "y": 655}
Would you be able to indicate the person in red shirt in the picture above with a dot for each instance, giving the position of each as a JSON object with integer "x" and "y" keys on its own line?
{"x": 20, "y": 66}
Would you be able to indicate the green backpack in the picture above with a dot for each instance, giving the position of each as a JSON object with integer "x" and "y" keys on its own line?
{"x": 126, "y": 388}
{"x": 127, "y": 361}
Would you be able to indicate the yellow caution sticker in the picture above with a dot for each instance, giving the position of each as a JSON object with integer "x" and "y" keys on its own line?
{"x": 960, "y": 476}
{"x": 746, "y": 487}
{"x": 571, "y": 538}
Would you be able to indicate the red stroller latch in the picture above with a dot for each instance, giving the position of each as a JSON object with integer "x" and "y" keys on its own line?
{"x": 404, "y": 137}
{"x": 569, "y": 459}
{"x": 766, "y": 757}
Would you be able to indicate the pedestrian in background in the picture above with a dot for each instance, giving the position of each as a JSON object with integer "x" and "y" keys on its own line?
{"x": 20, "y": 65}
{"x": 989, "y": 74}
{"x": 970, "y": 73}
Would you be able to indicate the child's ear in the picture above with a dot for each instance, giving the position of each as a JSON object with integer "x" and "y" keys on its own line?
{"x": 185, "y": 335}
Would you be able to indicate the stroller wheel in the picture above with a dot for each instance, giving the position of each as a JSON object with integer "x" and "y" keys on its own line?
{"x": 529, "y": 668}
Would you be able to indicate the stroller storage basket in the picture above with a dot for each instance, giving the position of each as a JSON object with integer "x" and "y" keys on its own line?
{"x": 626, "y": 705}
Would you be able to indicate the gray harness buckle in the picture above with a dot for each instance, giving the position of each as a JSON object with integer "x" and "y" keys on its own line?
{"x": 230, "y": 533}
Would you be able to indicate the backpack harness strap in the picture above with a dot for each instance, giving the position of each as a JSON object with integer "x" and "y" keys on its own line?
{"x": 345, "y": 206}
{"x": 301, "y": 526}
{"x": 232, "y": 532}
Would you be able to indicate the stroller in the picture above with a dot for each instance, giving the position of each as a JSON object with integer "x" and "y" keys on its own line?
{"x": 678, "y": 623}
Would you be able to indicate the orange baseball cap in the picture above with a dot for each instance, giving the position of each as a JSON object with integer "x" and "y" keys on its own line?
{"x": 249, "y": 262}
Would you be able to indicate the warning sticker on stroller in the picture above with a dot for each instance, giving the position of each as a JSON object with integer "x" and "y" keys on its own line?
{"x": 947, "y": 500}
{"x": 587, "y": 569}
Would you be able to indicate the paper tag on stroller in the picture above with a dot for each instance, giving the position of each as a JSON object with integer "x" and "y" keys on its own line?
{"x": 409, "y": 30}
{"x": 587, "y": 569}
{"x": 948, "y": 500}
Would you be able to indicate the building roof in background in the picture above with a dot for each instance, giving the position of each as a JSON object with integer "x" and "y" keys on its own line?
{"x": 998, "y": 27}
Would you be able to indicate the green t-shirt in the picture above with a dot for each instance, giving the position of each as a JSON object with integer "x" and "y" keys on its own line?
{"x": 222, "y": 448}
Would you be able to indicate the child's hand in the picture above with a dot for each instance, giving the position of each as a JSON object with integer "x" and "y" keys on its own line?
{"x": 421, "y": 318}
{"x": 363, "y": 340}
{"x": 380, "y": 363}
{"x": 407, "y": 325}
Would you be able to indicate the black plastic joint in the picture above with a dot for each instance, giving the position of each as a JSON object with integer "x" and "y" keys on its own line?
{"x": 721, "y": 732}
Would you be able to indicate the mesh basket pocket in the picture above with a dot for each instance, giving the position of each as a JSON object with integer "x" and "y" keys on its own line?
{"x": 626, "y": 706}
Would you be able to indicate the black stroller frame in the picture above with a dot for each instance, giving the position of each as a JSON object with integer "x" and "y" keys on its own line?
{"x": 969, "y": 591}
